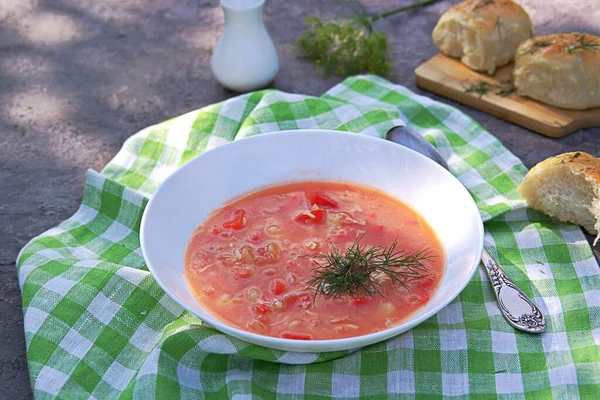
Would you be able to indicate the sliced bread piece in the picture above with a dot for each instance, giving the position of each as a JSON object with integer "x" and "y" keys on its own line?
{"x": 566, "y": 187}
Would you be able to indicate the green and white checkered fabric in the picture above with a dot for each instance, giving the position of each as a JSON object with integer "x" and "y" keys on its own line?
{"x": 97, "y": 325}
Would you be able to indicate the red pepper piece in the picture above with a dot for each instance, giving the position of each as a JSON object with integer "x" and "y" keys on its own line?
{"x": 321, "y": 201}
{"x": 310, "y": 217}
{"x": 277, "y": 286}
{"x": 261, "y": 308}
{"x": 238, "y": 221}
{"x": 295, "y": 335}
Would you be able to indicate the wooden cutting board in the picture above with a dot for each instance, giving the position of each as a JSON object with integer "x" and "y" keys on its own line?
{"x": 450, "y": 78}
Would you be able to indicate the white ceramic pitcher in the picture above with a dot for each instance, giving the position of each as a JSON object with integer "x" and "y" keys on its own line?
{"x": 244, "y": 58}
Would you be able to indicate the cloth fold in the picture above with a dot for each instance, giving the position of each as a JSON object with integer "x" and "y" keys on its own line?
{"x": 98, "y": 325}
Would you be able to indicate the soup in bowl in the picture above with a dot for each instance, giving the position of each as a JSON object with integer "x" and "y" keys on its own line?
{"x": 312, "y": 240}
{"x": 314, "y": 260}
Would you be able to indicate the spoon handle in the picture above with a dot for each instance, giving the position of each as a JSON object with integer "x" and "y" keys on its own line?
{"x": 516, "y": 307}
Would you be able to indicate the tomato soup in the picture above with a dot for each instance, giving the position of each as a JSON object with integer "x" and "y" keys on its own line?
{"x": 251, "y": 262}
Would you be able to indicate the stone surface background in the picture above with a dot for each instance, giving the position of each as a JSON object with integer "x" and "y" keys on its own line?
{"x": 77, "y": 77}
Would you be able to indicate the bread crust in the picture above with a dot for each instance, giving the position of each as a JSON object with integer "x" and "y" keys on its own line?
{"x": 561, "y": 69}
{"x": 484, "y": 34}
{"x": 577, "y": 161}
{"x": 574, "y": 172}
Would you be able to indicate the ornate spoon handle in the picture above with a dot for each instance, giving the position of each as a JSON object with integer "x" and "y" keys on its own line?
{"x": 517, "y": 308}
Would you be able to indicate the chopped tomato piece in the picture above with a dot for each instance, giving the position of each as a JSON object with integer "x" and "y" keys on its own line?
{"x": 238, "y": 221}
{"x": 425, "y": 283}
{"x": 278, "y": 286}
{"x": 255, "y": 237}
{"x": 321, "y": 201}
{"x": 318, "y": 214}
{"x": 295, "y": 335}
{"x": 261, "y": 308}
{"x": 310, "y": 217}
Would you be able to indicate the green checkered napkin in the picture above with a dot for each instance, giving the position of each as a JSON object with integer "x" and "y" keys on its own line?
{"x": 97, "y": 325}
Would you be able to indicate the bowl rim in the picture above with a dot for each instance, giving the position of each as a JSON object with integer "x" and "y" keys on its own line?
{"x": 317, "y": 345}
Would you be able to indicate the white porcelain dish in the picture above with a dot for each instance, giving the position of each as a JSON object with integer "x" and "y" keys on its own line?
{"x": 218, "y": 176}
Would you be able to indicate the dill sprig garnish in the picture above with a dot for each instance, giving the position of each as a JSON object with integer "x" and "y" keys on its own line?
{"x": 481, "y": 88}
{"x": 505, "y": 88}
{"x": 351, "y": 45}
{"x": 481, "y": 4}
{"x": 361, "y": 271}
{"x": 538, "y": 45}
{"x": 581, "y": 44}
{"x": 535, "y": 46}
{"x": 541, "y": 43}
{"x": 506, "y": 91}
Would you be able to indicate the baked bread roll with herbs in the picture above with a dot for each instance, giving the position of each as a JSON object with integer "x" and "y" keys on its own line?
{"x": 562, "y": 70}
{"x": 484, "y": 34}
{"x": 566, "y": 187}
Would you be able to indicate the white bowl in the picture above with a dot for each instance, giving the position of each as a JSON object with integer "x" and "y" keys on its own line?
{"x": 218, "y": 176}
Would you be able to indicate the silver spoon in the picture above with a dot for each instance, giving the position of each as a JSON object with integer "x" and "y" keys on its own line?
{"x": 516, "y": 307}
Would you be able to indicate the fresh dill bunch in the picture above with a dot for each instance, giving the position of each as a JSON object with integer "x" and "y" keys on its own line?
{"x": 361, "y": 271}
{"x": 350, "y": 46}
{"x": 345, "y": 48}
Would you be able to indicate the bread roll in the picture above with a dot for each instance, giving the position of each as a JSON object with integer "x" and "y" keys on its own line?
{"x": 562, "y": 70}
{"x": 484, "y": 34}
{"x": 567, "y": 187}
